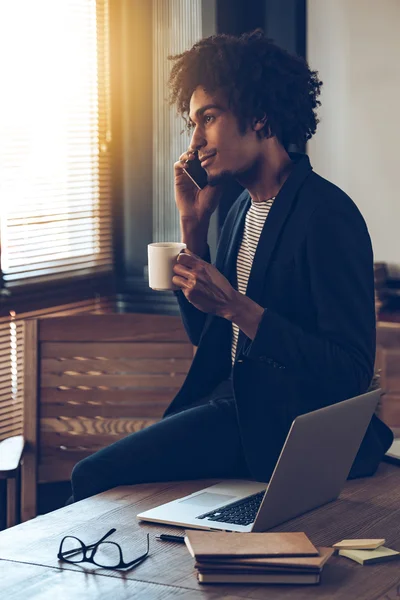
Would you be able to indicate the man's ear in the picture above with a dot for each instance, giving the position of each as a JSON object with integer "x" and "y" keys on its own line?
{"x": 259, "y": 123}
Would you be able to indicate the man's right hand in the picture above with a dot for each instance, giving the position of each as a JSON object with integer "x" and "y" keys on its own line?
{"x": 194, "y": 205}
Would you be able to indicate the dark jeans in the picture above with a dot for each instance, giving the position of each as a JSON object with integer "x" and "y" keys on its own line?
{"x": 200, "y": 442}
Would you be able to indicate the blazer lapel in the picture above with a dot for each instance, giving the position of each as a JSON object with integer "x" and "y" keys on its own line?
{"x": 228, "y": 249}
{"x": 273, "y": 226}
{"x": 278, "y": 214}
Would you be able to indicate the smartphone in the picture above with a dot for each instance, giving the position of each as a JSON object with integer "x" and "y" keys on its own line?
{"x": 197, "y": 174}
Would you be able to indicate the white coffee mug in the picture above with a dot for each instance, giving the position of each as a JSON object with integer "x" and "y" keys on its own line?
{"x": 162, "y": 258}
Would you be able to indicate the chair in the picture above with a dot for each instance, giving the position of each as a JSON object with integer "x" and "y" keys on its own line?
{"x": 11, "y": 450}
{"x": 91, "y": 380}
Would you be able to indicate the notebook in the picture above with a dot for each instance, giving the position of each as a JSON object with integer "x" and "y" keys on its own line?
{"x": 220, "y": 544}
{"x": 280, "y": 564}
{"x": 271, "y": 578}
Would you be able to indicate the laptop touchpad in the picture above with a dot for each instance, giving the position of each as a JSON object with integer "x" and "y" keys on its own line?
{"x": 208, "y": 499}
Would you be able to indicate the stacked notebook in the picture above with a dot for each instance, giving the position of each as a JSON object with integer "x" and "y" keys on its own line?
{"x": 274, "y": 558}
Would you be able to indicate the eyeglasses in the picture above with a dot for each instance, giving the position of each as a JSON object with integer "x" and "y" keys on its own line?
{"x": 107, "y": 555}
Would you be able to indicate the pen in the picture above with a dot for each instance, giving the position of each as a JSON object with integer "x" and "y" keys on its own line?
{"x": 171, "y": 538}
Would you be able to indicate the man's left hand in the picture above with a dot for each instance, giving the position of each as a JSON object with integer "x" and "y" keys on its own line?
{"x": 204, "y": 286}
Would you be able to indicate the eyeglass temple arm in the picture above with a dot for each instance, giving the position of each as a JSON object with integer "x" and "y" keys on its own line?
{"x": 77, "y": 550}
{"x": 140, "y": 558}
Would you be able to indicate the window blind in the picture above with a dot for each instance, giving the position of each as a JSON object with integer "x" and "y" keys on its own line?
{"x": 11, "y": 377}
{"x": 55, "y": 131}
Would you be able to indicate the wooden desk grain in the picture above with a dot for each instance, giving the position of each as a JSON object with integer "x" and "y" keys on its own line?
{"x": 367, "y": 508}
{"x": 42, "y": 583}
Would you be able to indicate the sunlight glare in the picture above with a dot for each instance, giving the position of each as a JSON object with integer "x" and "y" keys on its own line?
{"x": 48, "y": 121}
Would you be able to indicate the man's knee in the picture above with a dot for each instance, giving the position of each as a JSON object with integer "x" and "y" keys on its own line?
{"x": 78, "y": 476}
{"x": 80, "y": 471}
{"x": 107, "y": 469}
{"x": 87, "y": 479}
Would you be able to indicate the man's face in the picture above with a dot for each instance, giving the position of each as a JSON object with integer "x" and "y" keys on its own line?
{"x": 216, "y": 135}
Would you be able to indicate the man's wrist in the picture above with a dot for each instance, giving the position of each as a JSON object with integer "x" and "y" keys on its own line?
{"x": 193, "y": 225}
{"x": 245, "y": 313}
{"x": 195, "y": 234}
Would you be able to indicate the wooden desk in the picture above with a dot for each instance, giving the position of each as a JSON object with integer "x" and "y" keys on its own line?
{"x": 28, "y": 552}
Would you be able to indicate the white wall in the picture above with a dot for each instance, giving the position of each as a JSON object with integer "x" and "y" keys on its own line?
{"x": 355, "y": 46}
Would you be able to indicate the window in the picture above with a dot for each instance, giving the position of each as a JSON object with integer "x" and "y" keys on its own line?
{"x": 55, "y": 171}
{"x": 55, "y": 184}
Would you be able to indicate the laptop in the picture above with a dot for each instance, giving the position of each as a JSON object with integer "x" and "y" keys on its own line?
{"x": 312, "y": 468}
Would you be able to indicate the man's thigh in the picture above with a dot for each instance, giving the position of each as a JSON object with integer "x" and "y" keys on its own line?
{"x": 200, "y": 442}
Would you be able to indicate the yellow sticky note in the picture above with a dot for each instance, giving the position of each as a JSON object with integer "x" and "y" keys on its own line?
{"x": 362, "y": 544}
{"x": 363, "y": 557}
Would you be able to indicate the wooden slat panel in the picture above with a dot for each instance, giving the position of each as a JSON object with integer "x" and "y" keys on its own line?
{"x": 157, "y": 365}
{"x": 114, "y": 396}
{"x": 147, "y": 358}
{"x": 389, "y": 410}
{"x": 47, "y": 473}
{"x": 116, "y": 350}
{"x": 139, "y": 410}
{"x": 113, "y": 327}
{"x": 73, "y": 454}
{"x": 116, "y": 381}
{"x": 388, "y": 335}
{"x": 95, "y": 442}
{"x": 64, "y": 459}
{"x": 391, "y": 371}
{"x": 74, "y": 426}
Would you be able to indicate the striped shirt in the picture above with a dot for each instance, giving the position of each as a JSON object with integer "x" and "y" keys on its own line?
{"x": 255, "y": 219}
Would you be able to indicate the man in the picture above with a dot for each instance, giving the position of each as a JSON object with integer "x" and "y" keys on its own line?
{"x": 285, "y": 319}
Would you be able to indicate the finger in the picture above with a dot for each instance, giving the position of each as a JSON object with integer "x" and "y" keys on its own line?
{"x": 188, "y": 259}
{"x": 190, "y": 253}
{"x": 183, "y": 271}
{"x": 180, "y": 166}
{"x": 187, "y": 157}
{"x": 181, "y": 282}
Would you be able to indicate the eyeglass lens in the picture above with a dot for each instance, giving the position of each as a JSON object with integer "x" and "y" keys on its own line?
{"x": 107, "y": 555}
{"x": 72, "y": 549}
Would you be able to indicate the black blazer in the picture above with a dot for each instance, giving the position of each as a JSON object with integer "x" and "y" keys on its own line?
{"x": 315, "y": 345}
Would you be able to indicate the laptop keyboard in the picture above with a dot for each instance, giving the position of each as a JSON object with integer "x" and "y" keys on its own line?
{"x": 242, "y": 512}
